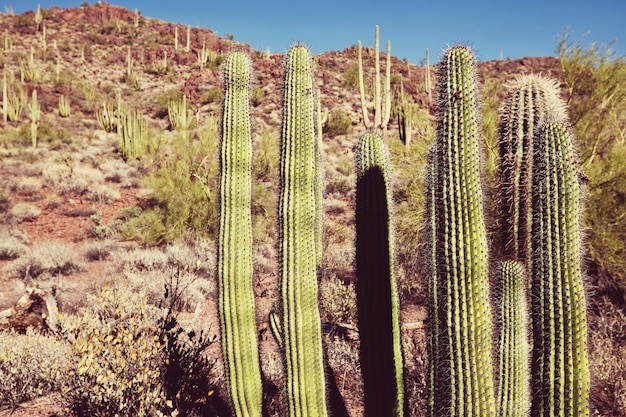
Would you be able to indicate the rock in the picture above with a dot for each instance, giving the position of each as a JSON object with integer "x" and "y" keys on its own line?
{"x": 36, "y": 309}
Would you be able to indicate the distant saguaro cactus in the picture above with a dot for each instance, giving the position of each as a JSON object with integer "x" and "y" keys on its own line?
{"x": 460, "y": 324}
{"x": 234, "y": 267}
{"x": 560, "y": 370}
{"x": 298, "y": 218}
{"x": 381, "y": 114}
{"x": 377, "y": 295}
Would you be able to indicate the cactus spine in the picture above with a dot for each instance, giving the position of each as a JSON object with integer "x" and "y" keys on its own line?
{"x": 530, "y": 100}
{"x": 234, "y": 268}
{"x": 377, "y": 296}
{"x": 513, "y": 343}
{"x": 304, "y": 381}
{"x": 460, "y": 328}
{"x": 559, "y": 359}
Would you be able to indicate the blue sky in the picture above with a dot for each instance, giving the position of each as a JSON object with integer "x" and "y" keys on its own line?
{"x": 518, "y": 28}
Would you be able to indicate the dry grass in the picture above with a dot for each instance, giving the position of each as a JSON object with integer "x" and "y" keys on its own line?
{"x": 47, "y": 259}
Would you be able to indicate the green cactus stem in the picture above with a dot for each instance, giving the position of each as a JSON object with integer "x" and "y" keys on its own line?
{"x": 513, "y": 343}
{"x": 298, "y": 217}
{"x": 234, "y": 267}
{"x": 530, "y": 100}
{"x": 560, "y": 370}
{"x": 377, "y": 295}
{"x": 460, "y": 324}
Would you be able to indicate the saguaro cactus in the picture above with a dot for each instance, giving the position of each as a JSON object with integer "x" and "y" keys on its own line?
{"x": 381, "y": 114}
{"x": 460, "y": 326}
{"x": 560, "y": 371}
{"x": 304, "y": 381}
{"x": 35, "y": 117}
{"x": 377, "y": 296}
{"x": 234, "y": 267}
{"x": 530, "y": 100}
{"x": 513, "y": 344}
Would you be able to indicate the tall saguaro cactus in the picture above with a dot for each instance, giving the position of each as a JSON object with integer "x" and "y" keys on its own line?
{"x": 460, "y": 327}
{"x": 377, "y": 296}
{"x": 298, "y": 217}
{"x": 234, "y": 267}
{"x": 560, "y": 370}
{"x": 530, "y": 101}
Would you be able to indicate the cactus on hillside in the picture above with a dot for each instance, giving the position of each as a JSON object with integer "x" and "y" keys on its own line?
{"x": 35, "y": 117}
{"x": 234, "y": 266}
{"x": 460, "y": 326}
{"x": 377, "y": 295}
{"x": 298, "y": 217}
{"x": 64, "y": 106}
{"x": 132, "y": 129}
{"x": 381, "y": 114}
{"x": 513, "y": 343}
{"x": 530, "y": 100}
{"x": 560, "y": 371}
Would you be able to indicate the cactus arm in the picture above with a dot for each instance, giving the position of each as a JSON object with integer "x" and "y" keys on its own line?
{"x": 234, "y": 268}
{"x": 377, "y": 296}
{"x": 366, "y": 117}
{"x": 387, "y": 91}
{"x": 304, "y": 381}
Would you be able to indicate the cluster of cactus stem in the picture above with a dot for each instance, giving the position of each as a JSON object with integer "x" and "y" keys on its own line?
{"x": 132, "y": 129}
{"x": 179, "y": 114}
{"x": 64, "y": 106}
{"x": 545, "y": 372}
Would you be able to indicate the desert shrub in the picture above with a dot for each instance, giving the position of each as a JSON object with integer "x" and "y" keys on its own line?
{"x": 607, "y": 359}
{"x": 212, "y": 95}
{"x": 593, "y": 77}
{"x": 25, "y": 212}
{"x": 98, "y": 250}
{"x": 258, "y": 94}
{"x": 125, "y": 347}
{"x": 339, "y": 123}
{"x": 31, "y": 365}
{"x": 184, "y": 191}
{"x": 48, "y": 258}
{"x": 116, "y": 345}
{"x": 162, "y": 101}
{"x": 338, "y": 301}
{"x": 351, "y": 78}
{"x": 10, "y": 247}
{"x": 27, "y": 186}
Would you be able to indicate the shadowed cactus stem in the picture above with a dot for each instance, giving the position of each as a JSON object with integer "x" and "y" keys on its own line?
{"x": 460, "y": 324}
{"x": 377, "y": 295}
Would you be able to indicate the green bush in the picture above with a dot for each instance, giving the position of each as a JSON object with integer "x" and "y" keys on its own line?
{"x": 351, "y": 78}
{"x": 339, "y": 123}
{"x": 183, "y": 196}
{"x": 597, "y": 99}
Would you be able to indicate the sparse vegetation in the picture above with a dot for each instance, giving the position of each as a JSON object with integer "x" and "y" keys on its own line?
{"x": 75, "y": 204}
